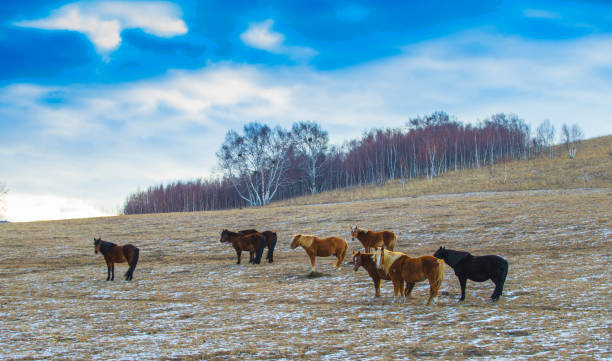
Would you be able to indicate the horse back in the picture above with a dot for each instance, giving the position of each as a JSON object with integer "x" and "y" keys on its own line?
{"x": 415, "y": 269}
{"x": 482, "y": 268}
{"x": 328, "y": 246}
{"x": 117, "y": 254}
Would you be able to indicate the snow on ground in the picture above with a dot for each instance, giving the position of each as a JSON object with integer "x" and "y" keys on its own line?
{"x": 189, "y": 300}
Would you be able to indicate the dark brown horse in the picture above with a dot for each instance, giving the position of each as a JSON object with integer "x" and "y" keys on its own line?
{"x": 366, "y": 260}
{"x": 254, "y": 243}
{"x": 371, "y": 239}
{"x": 402, "y": 268}
{"x": 117, "y": 254}
{"x": 270, "y": 241}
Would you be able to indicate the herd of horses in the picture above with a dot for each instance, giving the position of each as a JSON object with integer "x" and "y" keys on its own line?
{"x": 383, "y": 263}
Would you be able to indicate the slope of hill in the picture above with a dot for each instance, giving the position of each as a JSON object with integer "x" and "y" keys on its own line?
{"x": 591, "y": 168}
{"x": 190, "y": 301}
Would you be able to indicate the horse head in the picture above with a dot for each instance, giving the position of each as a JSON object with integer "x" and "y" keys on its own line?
{"x": 224, "y": 236}
{"x": 296, "y": 241}
{"x": 356, "y": 260}
{"x": 355, "y": 232}
{"x": 380, "y": 259}
{"x": 97, "y": 244}
{"x": 440, "y": 253}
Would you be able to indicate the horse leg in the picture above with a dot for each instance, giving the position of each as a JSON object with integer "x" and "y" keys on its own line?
{"x": 251, "y": 257}
{"x": 433, "y": 292}
{"x": 376, "y": 287}
{"x": 340, "y": 256}
{"x": 112, "y": 271}
{"x": 401, "y": 291}
{"x": 313, "y": 262}
{"x": 409, "y": 287}
{"x": 238, "y": 253}
{"x": 462, "y": 282}
{"x": 395, "y": 290}
{"x": 108, "y": 271}
{"x": 499, "y": 283}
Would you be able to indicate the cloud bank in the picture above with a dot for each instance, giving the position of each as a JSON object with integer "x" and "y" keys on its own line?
{"x": 103, "y": 22}
{"x": 99, "y": 143}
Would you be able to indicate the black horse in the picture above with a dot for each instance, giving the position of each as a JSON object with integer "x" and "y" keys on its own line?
{"x": 270, "y": 241}
{"x": 476, "y": 268}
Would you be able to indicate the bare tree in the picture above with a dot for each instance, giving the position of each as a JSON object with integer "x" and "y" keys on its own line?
{"x": 571, "y": 137}
{"x": 256, "y": 161}
{"x": 310, "y": 142}
{"x": 546, "y": 137}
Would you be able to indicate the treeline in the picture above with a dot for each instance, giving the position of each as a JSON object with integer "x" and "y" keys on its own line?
{"x": 264, "y": 164}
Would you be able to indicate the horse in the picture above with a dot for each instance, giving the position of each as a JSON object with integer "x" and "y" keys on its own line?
{"x": 366, "y": 261}
{"x": 321, "y": 247}
{"x": 371, "y": 239}
{"x": 117, "y": 254}
{"x": 252, "y": 242}
{"x": 402, "y": 268}
{"x": 476, "y": 268}
{"x": 270, "y": 241}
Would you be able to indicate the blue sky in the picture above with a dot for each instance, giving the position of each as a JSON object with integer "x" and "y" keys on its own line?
{"x": 99, "y": 98}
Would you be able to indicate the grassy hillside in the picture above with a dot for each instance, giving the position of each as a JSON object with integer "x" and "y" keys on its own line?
{"x": 190, "y": 301}
{"x": 591, "y": 168}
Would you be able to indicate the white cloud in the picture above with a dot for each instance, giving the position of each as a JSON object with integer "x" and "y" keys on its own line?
{"x": 28, "y": 207}
{"x": 103, "y": 22}
{"x": 108, "y": 140}
{"x": 261, "y": 36}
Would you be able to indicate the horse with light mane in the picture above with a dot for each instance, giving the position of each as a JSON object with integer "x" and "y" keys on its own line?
{"x": 321, "y": 247}
{"x": 402, "y": 268}
{"x": 372, "y": 239}
{"x": 117, "y": 254}
{"x": 366, "y": 261}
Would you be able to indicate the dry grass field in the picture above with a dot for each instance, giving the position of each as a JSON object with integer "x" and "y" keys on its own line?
{"x": 189, "y": 300}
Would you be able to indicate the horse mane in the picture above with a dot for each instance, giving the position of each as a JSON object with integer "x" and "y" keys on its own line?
{"x": 305, "y": 240}
{"x": 227, "y": 231}
{"x": 104, "y": 246}
{"x": 453, "y": 257}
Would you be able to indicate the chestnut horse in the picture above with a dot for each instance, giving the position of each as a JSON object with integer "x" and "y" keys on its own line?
{"x": 402, "y": 268}
{"x": 321, "y": 247}
{"x": 254, "y": 243}
{"x": 117, "y": 254}
{"x": 270, "y": 241}
{"x": 371, "y": 239}
{"x": 366, "y": 261}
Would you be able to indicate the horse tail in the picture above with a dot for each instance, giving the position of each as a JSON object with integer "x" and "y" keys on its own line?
{"x": 271, "y": 245}
{"x": 130, "y": 272}
{"x": 440, "y": 274}
{"x": 260, "y": 247}
{"x": 392, "y": 242}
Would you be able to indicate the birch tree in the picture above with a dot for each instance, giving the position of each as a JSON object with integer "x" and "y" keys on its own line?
{"x": 571, "y": 137}
{"x": 546, "y": 137}
{"x": 310, "y": 142}
{"x": 256, "y": 161}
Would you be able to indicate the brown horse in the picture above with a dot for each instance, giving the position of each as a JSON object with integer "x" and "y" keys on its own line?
{"x": 254, "y": 243}
{"x": 321, "y": 247}
{"x": 366, "y": 261}
{"x": 371, "y": 239}
{"x": 270, "y": 241}
{"x": 117, "y": 254}
{"x": 402, "y": 268}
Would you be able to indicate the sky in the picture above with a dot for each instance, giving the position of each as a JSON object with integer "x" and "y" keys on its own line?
{"x": 99, "y": 99}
